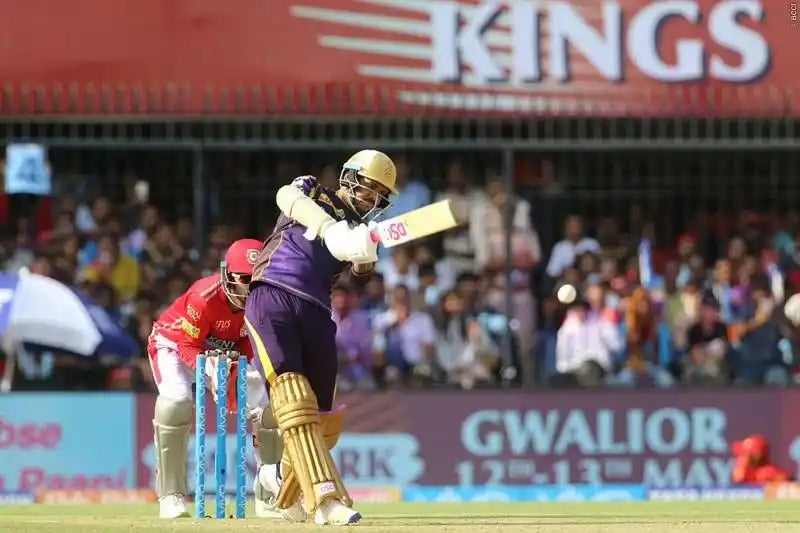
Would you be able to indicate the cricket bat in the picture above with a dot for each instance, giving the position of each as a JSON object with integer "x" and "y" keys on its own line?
{"x": 415, "y": 224}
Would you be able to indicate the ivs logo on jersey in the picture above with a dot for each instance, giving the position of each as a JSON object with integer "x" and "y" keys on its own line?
{"x": 222, "y": 325}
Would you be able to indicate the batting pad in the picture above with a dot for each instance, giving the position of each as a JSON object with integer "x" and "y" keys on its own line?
{"x": 296, "y": 412}
{"x": 290, "y": 492}
{"x": 171, "y": 429}
{"x": 267, "y": 440}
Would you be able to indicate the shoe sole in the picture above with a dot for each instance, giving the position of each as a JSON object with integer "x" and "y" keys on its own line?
{"x": 354, "y": 518}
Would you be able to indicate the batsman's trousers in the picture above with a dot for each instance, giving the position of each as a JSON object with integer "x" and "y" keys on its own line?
{"x": 292, "y": 334}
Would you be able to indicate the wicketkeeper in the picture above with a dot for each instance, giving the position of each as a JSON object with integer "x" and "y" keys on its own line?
{"x": 321, "y": 234}
{"x": 210, "y": 315}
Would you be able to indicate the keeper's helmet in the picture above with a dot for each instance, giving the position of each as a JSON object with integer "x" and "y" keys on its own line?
{"x": 237, "y": 269}
{"x": 368, "y": 178}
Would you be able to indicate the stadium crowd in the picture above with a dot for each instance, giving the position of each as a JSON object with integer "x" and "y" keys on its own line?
{"x": 702, "y": 309}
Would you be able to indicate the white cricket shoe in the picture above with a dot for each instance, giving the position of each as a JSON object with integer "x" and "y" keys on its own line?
{"x": 269, "y": 482}
{"x": 172, "y": 506}
{"x": 335, "y": 513}
{"x": 264, "y": 498}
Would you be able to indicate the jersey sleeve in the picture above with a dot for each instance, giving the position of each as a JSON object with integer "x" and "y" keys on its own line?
{"x": 307, "y": 184}
{"x": 195, "y": 324}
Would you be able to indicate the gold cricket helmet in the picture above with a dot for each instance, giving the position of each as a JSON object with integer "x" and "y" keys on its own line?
{"x": 374, "y": 165}
{"x": 360, "y": 175}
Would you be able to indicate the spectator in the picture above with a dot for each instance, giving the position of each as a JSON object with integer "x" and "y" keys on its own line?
{"x": 412, "y": 193}
{"x": 185, "y": 237}
{"x": 329, "y": 176}
{"x": 489, "y": 239}
{"x": 640, "y": 320}
{"x": 708, "y": 347}
{"x": 163, "y": 250}
{"x": 115, "y": 268}
{"x": 722, "y": 290}
{"x": 147, "y": 224}
{"x": 609, "y": 239}
{"x": 566, "y": 250}
{"x": 427, "y": 296}
{"x": 89, "y": 219}
{"x": 586, "y": 336}
{"x": 374, "y": 298}
{"x": 642, "y": 365}
{"x": 756, "y": 339}
{"x": 686, "y": 248}
{"x": 42, "y": 264}
{"x": 400, "y": 269}
{"x": 459, "y": 251}
{"x": 353, "y": 340}
{"x": 464, "y": 351}
{"x": 405, "y": 340}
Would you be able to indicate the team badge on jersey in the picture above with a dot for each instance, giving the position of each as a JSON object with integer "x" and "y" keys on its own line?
{"x": 252, "y": 255}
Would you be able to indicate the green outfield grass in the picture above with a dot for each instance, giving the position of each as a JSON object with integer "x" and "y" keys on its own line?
{"x": 646, "y": 517}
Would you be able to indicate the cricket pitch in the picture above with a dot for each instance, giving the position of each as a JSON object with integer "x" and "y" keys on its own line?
{"x": 642, "y": 517}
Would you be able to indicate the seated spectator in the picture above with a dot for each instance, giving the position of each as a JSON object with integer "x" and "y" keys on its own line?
{"x": 708, "y": 341}
{"x": 465, "y": 352}
{"x": 405, "y": 340}
{"x": 353, "y": 340}
{"x": 586, "y": 336}
{"x": 115, "y": 268}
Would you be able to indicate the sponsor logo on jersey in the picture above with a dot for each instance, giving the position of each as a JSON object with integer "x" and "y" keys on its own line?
{"x": 325, "y": 199}
{"x": 243, "y": 331}
{"x": 190, "y": 329}
{"x": 193, "y": 313}
{"x": 220, "y": 344}
{"x": 222, "y": 325}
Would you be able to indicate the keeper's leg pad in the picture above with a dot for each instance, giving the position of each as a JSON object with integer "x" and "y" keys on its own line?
{"x": 172, "y": 424}
{"x": 290, "y": 492}
{"x": 296, "y": 411}
{"x": 267, "y": 440}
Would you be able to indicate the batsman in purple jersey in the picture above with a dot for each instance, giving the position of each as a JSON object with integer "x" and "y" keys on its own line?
{"x": 320, "y": 235}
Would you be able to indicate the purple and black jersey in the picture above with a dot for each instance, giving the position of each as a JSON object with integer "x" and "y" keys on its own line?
{"x": 290, "y": 261}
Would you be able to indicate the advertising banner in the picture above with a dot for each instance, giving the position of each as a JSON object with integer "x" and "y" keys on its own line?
{"x": 71, "y": 441}
{"x": 534, "y": 493}
{"x": 598, "y": 57}
{"x": 653, "y": 438}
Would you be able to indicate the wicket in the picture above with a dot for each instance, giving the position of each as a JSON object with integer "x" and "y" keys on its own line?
{"x": 220, "y": 459}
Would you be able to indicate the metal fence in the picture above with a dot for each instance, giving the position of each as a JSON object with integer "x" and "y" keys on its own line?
{"x": 651, "y": 174}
